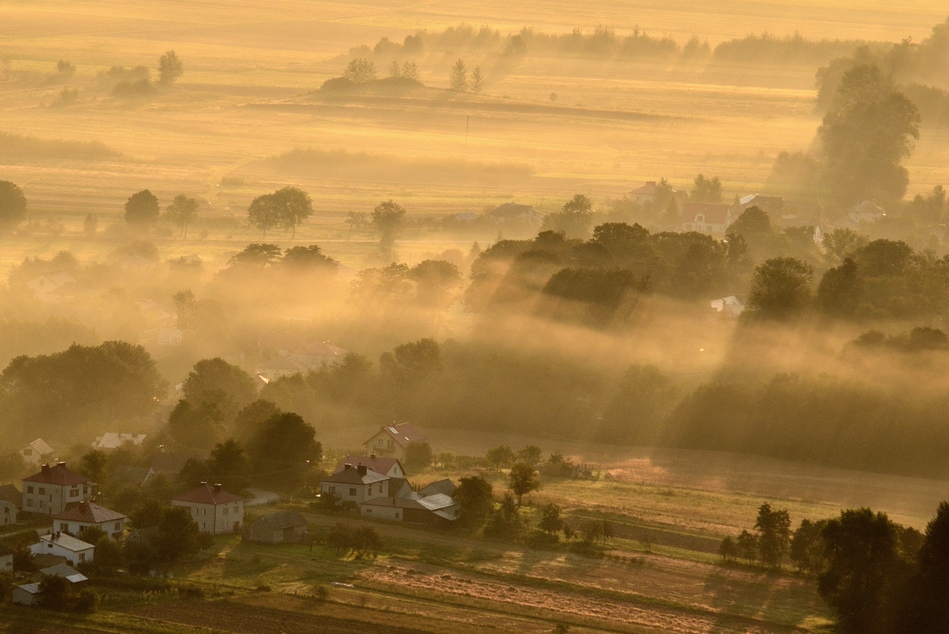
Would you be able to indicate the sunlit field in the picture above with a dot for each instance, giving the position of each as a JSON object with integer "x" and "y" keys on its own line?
{"x": 559, "y": 126}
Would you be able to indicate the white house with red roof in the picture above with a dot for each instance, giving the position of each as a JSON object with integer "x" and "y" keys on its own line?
{"x": 53, "y": 489}
{"x": 74, "y": 550}
{"x": 393, "y": 439}
{"x": 706, "y": 217}
{"x": 88, "y": 514}
{"x": 389, "y": 467}
{"x": 214, "y": 510}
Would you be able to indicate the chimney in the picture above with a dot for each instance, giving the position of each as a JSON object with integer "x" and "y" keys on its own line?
{"x": 361, "y": 470}
{"x": 45, "y": 468}
{"x": 61, "y": 464}
{"x": 82, "y": 504}
{"x": 217, "y": 488}
{"x": 372, "y": 455}
{"x": 347, "y": 466}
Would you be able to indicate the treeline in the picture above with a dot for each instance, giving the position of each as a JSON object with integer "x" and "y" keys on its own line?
{"x": 603, "y": 42}
{"x": 877, "y": 576}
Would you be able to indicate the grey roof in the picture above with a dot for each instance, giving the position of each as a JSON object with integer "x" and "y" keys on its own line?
{"x": 351, "y": 476}
{"x": 66, "y": 572}
{"x": 32, "y": 588}
{"x": 436, "y": 502}
{"x": 67, "y": 541}
{"x": 281, "y": 520}
{"x": 445, "y": 486}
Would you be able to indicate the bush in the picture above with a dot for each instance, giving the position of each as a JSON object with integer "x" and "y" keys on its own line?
{"x": 338, "y": 84}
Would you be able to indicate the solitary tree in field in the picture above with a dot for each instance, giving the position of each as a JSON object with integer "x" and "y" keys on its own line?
{"x": 388, "y": 218}
{"x": 12, "y": 205}
{"x": 170, "y": 68}
{"x": 141, "y": 209}
{"x": 182, "y": 211}
{"x": 522, "y": 480}
{"x": 458, "y": 77}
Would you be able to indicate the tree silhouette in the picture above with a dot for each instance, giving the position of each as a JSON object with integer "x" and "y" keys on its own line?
{"x": 182, "y": 211}
{"x": 458, "y": 77}
{"x": 170, "y": 68}
{"x": 142, "y": 209}
{"x": 12, "y": 205}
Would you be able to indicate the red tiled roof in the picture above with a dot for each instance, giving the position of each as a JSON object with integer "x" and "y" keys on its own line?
{"x": 207, "y": 494}
{"x": 59, "y": 475}
{"x": 714, "y": 213}
{"x": 89, "y": 512}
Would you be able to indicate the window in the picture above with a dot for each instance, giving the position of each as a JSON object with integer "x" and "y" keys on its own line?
{"x": 74, "y": 492}
{"x": 82, "y": 556}
{"x": 42, "y": 490}
{"x": 118, "y": 526}
{"x": 352, "y": 491}
{"x": 225, "y": 510}
{"x": 29, "y": 502}
{"x": 63, "y": 526}
{"x": 29, "y": 489}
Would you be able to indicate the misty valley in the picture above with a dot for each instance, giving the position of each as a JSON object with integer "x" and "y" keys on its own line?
{"x": 386, "y": 317}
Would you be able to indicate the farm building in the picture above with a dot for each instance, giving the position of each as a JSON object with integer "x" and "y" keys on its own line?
{"x": 276, "y": 528}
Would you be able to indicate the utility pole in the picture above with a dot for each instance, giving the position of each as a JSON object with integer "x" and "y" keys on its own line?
{"x": 467, "y": 126}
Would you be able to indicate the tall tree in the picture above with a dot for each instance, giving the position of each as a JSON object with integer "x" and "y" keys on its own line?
{"x": 458, "y": 77}
{"x": 925, "y": 605}
{"x": 388, "y": 218}
{"x": 780, "y": 288}
{"x": 142, "y": 209}
{"x": 217, "y": 381}
{"x": 573, "y": 219}
{"x": 12, "y": 205}
{"x": 181, "y": 212}
{"x": 475, "y": 500}
{"x": 868, "y": 130}
{"x": 861, "y": 552}
{"x": 774, "y": 534}
{"x": 293, "y": 206}
{"x": 263, "y": 214}
{"x": 170, "y": 68}
{"x": 522, "y": 480}
{"x": 706, "y": 190}
{"x": 281, "y": 451}
{"x": 477, "y": 81}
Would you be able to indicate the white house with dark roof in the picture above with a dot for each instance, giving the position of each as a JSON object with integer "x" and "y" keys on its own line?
{"x": 389, "y": 467}
{"x": 515, "y": 213}
{"x": 355, "y": 484}
{"x": 214, "y": 510}
{"x": 393, "y": 439}
{"x": 37, "y": 452}
{"x": 74, "y": 550}
{"x": 867, "y": 211}
{"x": 706, "y": 217}
{"x": 53, "y": 489}
{"x": 85, "y": 515}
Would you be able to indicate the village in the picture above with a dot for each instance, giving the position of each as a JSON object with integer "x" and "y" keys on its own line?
{"x": 61, "y": 506}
